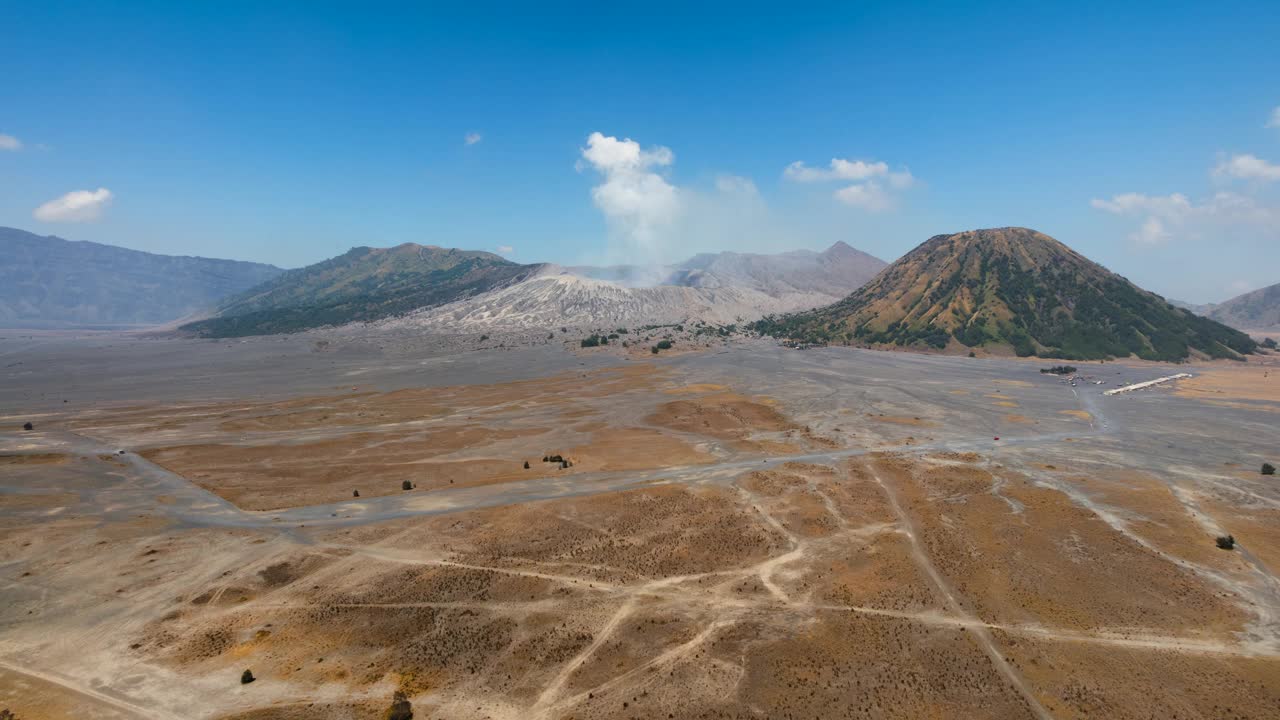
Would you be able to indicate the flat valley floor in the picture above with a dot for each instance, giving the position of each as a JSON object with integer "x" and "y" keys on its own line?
{"x": 746, "y": 531}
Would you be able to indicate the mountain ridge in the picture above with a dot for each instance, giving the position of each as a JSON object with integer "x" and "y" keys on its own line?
{"x": 361, "y": 285}
{"x": 450, "y": 290}
{"x": 1257, "y": 310}
{"x": 51, "y": 282}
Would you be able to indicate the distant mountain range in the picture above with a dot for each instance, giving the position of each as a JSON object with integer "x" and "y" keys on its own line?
{"x": 1005, "y": 289}
{"x": 48, "y": 282}
{"x": 1012, "y": 288}
{"x": 1256, "y": 311}
{"x": 722, "y": 288}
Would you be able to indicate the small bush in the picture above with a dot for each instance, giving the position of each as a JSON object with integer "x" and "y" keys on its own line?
{"x": 247, "y": 677}
{"x": 1226, "y": 542}
{"x": 401, "y": 708}
{"x": 1269, "y": 343}
{"x": 406, "y": 485}
{"x": 526, "y": 464}
{"x": 1268, "y": 469}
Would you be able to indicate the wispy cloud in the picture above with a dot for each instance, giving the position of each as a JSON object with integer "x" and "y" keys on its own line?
{"x": 1247, "y": 167}
{"x": 472, "y": 138}
{"x": 1166, "y": 215}
{"x": 10, "y": 143}
{"x": 505, "y": 249}
{"x": 1274, "y": 120}
{"x": 736, "y": 185}
{"x": 874, "y": 183}
{"x": 869, "y": 196}
{"x": 75, "y": 206}
{"x": 839, "y": 169}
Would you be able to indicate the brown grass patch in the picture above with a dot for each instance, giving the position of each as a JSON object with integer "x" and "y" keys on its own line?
{"x": 613, "y": 449}
{"x": 34, "y": 459}
{"x": 1080, "y": 680}
{"x": 726, "y": 416}
{"x": 268, "y": 477}
{"x": 1053, "y": 562}
{"x": 696, "y": 389}
{"x": 1255, "y": 527}
{"x": 1243, "y": 381}
{"x": 835, "y": 667}
{"x": 902, "y": 420}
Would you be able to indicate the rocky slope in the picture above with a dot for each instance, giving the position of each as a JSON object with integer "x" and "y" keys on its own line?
{"x": 557, "y": 298}
{"x": 723, "y": 288}
{"x": 1011, "y": 288}
{"x": 49, "y": 282}
{"x": 1256, "y": 311}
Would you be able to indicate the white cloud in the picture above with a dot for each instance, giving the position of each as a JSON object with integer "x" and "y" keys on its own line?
{"x": 1165, "y": 216}
{"x": 638, "y": 203}
{"x": 75, "y": 206}
{"x": 653, "y": 221}
{"x": 870, "y": 177}
{"x": 1137, "y": 202}
{"x": 736, "y": 185}
{"x": 1247, "y": 167}
{"x": 868, "y": 196}
{"x": 1152, "y": 232}
{"x": 901, "y": 179}
{"x": 505, "y": 249}
{"x": 472, "y": 138}
{"x": 9, "y": 142}
{"x": 1274, "y": 120}
{"x": 840, "y": 169}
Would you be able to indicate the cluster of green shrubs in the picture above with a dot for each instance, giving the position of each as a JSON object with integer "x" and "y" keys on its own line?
{"x": 595, "y": 341}
{"x": 662, "y": 345}
{"x": 560, "y": 460}
{"x": 1060, "y": 370}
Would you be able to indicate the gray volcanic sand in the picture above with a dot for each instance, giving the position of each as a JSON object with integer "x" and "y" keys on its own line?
{"x": 749, "y": 531}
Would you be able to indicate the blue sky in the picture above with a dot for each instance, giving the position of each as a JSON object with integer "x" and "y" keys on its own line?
{"x": 288, "y": 133}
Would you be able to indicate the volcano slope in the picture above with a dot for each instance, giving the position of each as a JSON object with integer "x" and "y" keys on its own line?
{"x": 751, "y": 533}
{"x": 1012, "y": 291}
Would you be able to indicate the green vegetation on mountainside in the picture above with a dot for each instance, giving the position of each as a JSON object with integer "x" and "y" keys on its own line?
{"x": 362, "y": 285}
{"x": 1011, "y": 287}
